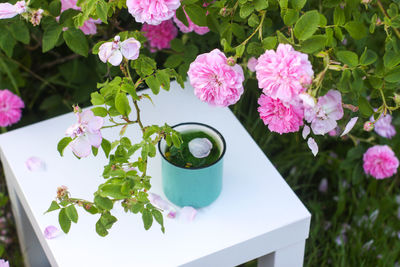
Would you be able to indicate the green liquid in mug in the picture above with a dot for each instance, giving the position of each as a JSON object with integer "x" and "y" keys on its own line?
{"x": 182, "y": 156}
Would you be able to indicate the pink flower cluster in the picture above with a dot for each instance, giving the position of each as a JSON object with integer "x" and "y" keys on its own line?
{"x": 380, "y": 162}
{"x": 10, "y": 108}
{"x": 214, "y": 80}
{"x": 160, "y": 36}
{"x": 152, "y": 12}
{"x": 89, "y": 26}
{"x": 191, "y": 27}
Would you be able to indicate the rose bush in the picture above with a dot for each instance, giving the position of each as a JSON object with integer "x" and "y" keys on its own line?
{"x": 327, "y": 71}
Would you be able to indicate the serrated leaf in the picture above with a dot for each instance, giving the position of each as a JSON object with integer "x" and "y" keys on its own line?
{"x": 102, "y": 10}
{"x": 122, "y": 104}
{"x": 307, "y": 25}
{"x": 356, "y": 29}
{"x": 348, "y": 57}
{"x": 50, "y": 36}
{"x": 147, "y": 218}
{"x": 153, "y": 83}
{"x": 313, "y": 44}
{"x": 64, "y": 221}
{"x": 100, "y": 111}
{"x": 197, "y": 14}
{"x": 103, "y": 202}
{"x": 72, "y": 213}
{"x": 163, "y": 78}
{"x": 106, "y": 146}
{"x": 368, "y": 57}
{"x": 159, "y": 218}
{"x": 269, "y": 42}
{"x": 53, "y": 206}
{"x": 100, "y": 229}
{"x": 76, "y": 41}
{"x": 364, "y": 107}
{"x": 298, "y": 4}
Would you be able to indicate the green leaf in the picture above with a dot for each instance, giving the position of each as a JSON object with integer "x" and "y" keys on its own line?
{"x": 112, "y": 190}
{"x": 291, "y": 16}
{"x": 356, "y": 29}
{"x": 364, "y": 107}
{"x": 63, "y": 144}
{"x": 106, "y": 146}
{"x": 368, "y": 57}
{"x": 7, "y": 42}
{"x": 254, "y": 20}
{"x": 20, "y": 31}
{"x": 55, "y": 8}
{"x": 102, "y": 10}
{"x": 107, "y": 220}
{"x": 173, "y": 61}
{"x": 338, "y": 16}
{"x": 144, "y": 66}
{"x": 306, "y": 25}
{"x": 53, "y": 206}
{"x": 177, "y": 45}
{"x": 100, "y": 111}
{"x": 175, "y": 140}
{"x": 103, "y": 203}
{"x": 393, "y": 76}
{"x": 246, "y": 10}
{"x": 100, "y": 229}
{"x": 96, "y": 99}
{"x": 298, "y": 4}
{"x": 72, "y": 213}
{"x": 391, "y": 59}
{"x": 159, "y": 218}
{"x": 147, "y": 218}
{"x": 197, "y": 14}
{"x": 154, "y": 84}
{"x": 64, "y": 221}
{"x": 348, "y": 57}
{"x": 50, "y": 36}
{"x": 76, "y": 41}
{"x": 269, "y": 42}
{"x": 180, "y": 14}
{"x": 260, "y": 4}
{"x": 163, "y": 79}
{"x": 122, "y": 104}
{"x": 313, "y": 44}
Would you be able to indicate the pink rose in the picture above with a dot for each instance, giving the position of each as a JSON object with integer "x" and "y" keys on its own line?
{"x": 10, "y": 108}
{"x": 86, "y": 133}
{"x": 325, "y": 113}
{"x": 283, "y": 74}
{"x": 160, "y": 36}
{"x": 214, "y": 81}
{"x": 384, "y": 126}
{"x": 114, "y": 51}
{"x": 280, "y": 117}
{"x": 380, "y": 162}
{"x": 152, "y": 11}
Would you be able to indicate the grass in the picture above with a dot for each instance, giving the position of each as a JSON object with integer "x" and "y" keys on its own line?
{"x": 354, "y": 223}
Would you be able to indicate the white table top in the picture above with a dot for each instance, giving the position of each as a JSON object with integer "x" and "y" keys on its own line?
{"x": 256, "y": 213}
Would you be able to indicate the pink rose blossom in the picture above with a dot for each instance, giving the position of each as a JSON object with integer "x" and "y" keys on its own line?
{"x": 8, "y": 10}
{"x": 160, "y": 36}
{"x": 283, "y": 74}
{"x": 384, "y": 126}
{"x": 280, "y": 117}
{"x": 10, "y": 108}
{"x": 86, "y": 133}
{"x": 191, "y": 27}
{"x": 325, "y": 113}
{"x": 214, "y": 81}
{"x": 152, "y": 11}
{"x": 113, "y": 52}
{"x": 380, "y": 161}
{"x": 4, "y": 263}
{"x": 89, "y": 26}
{"x": 51, "y": 232}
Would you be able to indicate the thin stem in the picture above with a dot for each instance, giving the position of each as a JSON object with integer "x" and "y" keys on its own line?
{"x": 396, "y": 31}
{"x": 259, "y": 27}
{"x": 138, "y": 115}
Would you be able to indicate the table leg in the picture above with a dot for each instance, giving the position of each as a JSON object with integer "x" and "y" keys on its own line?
{"x": 290, "y": 256}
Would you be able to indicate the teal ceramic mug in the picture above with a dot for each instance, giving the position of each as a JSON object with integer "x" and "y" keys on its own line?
{"x": 195, "y": 187}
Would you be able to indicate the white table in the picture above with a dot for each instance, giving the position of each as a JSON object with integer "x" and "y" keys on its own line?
{"x": 256, "y": 216}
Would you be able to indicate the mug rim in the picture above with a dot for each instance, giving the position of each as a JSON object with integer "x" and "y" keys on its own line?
{"x": 201, "y": 124}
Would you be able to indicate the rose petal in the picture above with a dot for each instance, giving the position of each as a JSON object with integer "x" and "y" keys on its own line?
{"x": 306, "y": 131}
{"x": 51, "y": 232}
{"x": 188, "y": 213}
{"x": 81, "y": 146}
{"x": 95, "y": 139}
{"x": 313, "y": 146}
{"x": 159, "y": 202}
{"x": 4, "y": 263}
{"x": 115, "y": 58}
{"x": 349, "y": 126}
{"x": 130, "y": 48}
{"x": 35, "y": 164}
